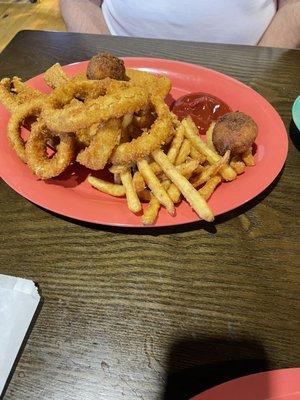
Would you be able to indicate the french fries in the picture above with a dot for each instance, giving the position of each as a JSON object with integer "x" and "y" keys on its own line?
{"x": 150, "y": 214}
{"x": 190, "y": 168}
{"x": 172, "y": 191}
{"x": 176, "y": 144}
{"x": 238, "y": 165}
{"x": 155, "y": 186}
{"x": 189, "y": 192}
{"x": 106, "y": 187}
{"x": 248, "y": 158}
{"x": 191, "y": 133}
{"x": 184, "y": 151}
{"x": 138, "y": 182}
{"x": 186, "y": 169}
{"x": 196, "y": 155}
{"x": 133, "y": 201}
{"x": 210, "y": 171}
{"x": 210, "y": 186}
{"x": 209, "y": 133}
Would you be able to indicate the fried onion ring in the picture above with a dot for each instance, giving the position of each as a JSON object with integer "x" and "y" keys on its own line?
{"x": 130, "y": 152}
{"x": 14, "y": 92}
{"x": 115, "y": 105}
{"x": 156, "y": 85}
{"x": 55, "y": 76}
{"x": 84, "y": 136}
{"x": 96, "y": 155}
{"x": 6, "y": 97}
{"x": 23, "y": 92}
{"x": 36, "y": 151}
{"x": 14, "y": 125}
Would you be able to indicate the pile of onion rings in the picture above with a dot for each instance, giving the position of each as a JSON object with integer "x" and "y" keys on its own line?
{"x": 122, "y": 123}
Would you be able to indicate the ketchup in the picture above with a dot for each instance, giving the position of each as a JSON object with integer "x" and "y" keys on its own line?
{"x": 202, "y": 107}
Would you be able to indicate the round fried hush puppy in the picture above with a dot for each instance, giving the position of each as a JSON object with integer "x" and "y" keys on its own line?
{"x": 234, "y": 131}
{"x": 105, "y": 65}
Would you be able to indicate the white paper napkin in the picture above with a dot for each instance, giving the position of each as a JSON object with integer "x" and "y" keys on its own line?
{"x": 19, "y": 299}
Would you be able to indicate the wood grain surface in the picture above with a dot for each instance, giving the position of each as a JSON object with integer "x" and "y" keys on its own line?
{"x": 16, "y": 15}
{"x": 158, "y": 314}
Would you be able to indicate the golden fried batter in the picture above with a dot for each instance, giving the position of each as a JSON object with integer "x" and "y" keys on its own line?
{"x": 96, "y": 155}
{"x": 105, "y": 65}
{"x": 234, "y": 131}
{"x": 36, "y": 151}
{"x": 55, "y": 76}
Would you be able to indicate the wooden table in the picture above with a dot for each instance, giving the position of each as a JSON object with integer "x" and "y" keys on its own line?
{"x": 16, "y": 15}
{"x": 164, "y": 315}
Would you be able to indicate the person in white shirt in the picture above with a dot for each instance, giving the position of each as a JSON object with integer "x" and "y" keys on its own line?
{"x": 257, "y": 22}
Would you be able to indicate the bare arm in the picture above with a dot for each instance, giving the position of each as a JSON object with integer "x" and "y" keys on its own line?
{"x": 83, "y": 16}
{"x": 284, "y": 30}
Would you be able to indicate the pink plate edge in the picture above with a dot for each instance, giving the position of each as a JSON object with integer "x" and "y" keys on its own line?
{"x": 277, "y": 375}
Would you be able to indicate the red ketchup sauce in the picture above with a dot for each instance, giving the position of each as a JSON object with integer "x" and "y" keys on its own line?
{"x": 202, "y": 107}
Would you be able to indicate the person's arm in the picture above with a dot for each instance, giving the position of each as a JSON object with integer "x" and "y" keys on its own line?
{"x": 284, "y": 29}
{"x": 83, "y": 16}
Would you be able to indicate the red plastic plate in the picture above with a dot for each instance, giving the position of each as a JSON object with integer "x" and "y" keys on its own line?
{"x": 71, "y": 196}
{"x": 282, "y": 384}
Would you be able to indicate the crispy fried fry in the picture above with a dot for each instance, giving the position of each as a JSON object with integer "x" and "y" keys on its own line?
{"x": 189, "y": 192}
{"x": 191, "y": 132}
{"x": 200, "y": 169}
{"x": 172, "y": 190}
{"x": 133, "y": 201}
{"x": 155, "y": 186}
{"x": 210, "y": 171}
{"x": 176, "y": 144}
{"x": 151, "y": 212}
{"x": 183, "y": 152}
{"x": 138, "y": 181}
{"x": 248, "y": 158}
{"x": 118, "y": 169}
{"x": 107, "y": 187}
{"x": 209, "y": 133}
{"x": 238, "y": 165}
{"x": 210, "y": 186}
{"x": 196, "y": 155}
{"x": 186, "y": 169}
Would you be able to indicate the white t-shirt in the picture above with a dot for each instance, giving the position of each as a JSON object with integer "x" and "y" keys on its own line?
{"x": 220, "y": 21}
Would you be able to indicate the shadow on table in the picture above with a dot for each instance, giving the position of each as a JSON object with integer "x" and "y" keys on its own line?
{"x": 30, "y": 328}
{"x": 197, "y": 365}
{"x": 210, "y": 227}
{"x": 294, "y": 135}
